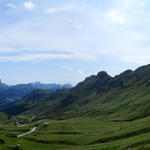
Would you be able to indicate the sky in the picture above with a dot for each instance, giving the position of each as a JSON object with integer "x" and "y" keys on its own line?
{"x": 64, "y": 41}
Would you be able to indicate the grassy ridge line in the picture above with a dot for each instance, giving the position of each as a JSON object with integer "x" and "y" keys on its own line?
{"x": 122, "y": 136}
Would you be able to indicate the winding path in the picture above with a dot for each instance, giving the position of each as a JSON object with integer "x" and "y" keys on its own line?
{"x": 32, "y": 130}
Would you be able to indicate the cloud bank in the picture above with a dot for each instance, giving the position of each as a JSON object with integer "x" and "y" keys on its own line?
{"x": 89, "y": 30}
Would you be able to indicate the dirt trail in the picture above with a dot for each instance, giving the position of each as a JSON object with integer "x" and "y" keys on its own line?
{"x": 32, "y": 130}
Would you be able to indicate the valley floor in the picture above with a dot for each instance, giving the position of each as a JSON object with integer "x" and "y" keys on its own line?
{"x": 79, "y": 134}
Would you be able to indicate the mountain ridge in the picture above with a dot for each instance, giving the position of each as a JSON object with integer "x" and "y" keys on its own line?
{"x": 102, "y": 94}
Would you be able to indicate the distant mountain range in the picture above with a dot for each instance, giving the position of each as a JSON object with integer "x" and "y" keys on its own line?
{"x": 51, "y": 86}
{"x": 12, "y": 93}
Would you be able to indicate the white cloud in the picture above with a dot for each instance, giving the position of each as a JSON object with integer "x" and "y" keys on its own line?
{"x": 51, "y": 10}
{"x": 67, "y": 68}
{"x": 33, "y": 57}
{"x": 29, "y": 5}
{"x": 64, "y": 8}
{"x": 11, "y": 5}
{"x": 142, "y": 4}
{"x": 80, "y": 72}
{"x": 126, "y": 4}
{"x": 116, "y": 16}
{"x": 29, "y": 55}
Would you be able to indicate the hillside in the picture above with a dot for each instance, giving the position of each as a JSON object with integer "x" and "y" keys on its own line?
{"x": 38, "y": 102}
{"x": 4, "y": 119}
{"x": 102, "y": 112}
{"x": 125, "y": 96}
{"x": 9, "y": 94}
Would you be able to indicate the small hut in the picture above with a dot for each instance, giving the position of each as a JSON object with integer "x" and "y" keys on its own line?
{"x": 45, "y": 124}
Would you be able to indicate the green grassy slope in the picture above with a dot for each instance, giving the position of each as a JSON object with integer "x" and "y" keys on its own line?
{"x": 80, "y": 134}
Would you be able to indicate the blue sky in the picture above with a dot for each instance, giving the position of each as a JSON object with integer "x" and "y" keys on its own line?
{"x": 64, "y": 41}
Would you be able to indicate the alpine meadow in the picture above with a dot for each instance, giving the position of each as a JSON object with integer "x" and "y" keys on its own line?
{"x": 74, "y": 75}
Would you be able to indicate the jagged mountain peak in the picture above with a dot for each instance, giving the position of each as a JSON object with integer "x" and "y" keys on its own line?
{"x": 103, "y": 74}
